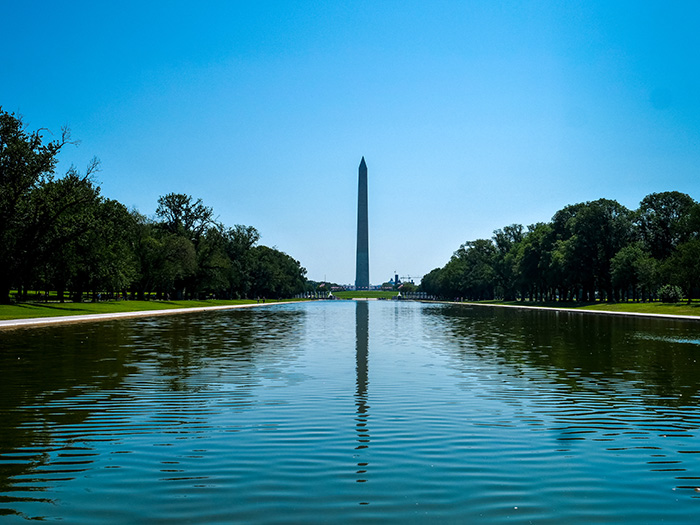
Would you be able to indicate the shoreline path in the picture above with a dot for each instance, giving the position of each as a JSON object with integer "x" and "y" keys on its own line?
{"x": 46, "y": 321}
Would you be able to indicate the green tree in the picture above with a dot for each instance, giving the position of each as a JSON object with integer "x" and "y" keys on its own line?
{"x": 471, "y": 270}
{"x": 26, "y": 163}
{"x": 162, "y": 258}
{"x": 507, "y": 241}
{"x": 63, "y": 211}
{"x": 275, "y": 274}
{"x": 593, "y": 232}
{"x": 683, "y": 267}
{"x": 633, "y": 270}
{"x": 239, "y": 241}
{"x": 103, "y": 254}
{"x": 407, "y": 288}
{"x": 533, "y": 259}
{"x": 181, "y": 216}
{"x": 453, "y": 278}
{"x": 213, "y": 264}
{"x": 665, "y": 221}
{"x": 430, "y": 283}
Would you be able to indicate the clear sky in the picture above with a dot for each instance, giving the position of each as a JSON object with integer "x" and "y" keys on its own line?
{"x": 471, "y": 115}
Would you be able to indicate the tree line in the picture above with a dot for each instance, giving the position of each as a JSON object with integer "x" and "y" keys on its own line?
{"x": 596, "y": 250}
{"x": 60, "y": 234}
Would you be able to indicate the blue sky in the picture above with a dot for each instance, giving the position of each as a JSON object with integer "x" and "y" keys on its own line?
{"x": 471, "y": 115}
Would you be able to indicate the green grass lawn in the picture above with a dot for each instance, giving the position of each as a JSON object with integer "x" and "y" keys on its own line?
{"x": 373, "y": 294}
{"x": 648, "y": 308}
{"x": 30, "y": 310}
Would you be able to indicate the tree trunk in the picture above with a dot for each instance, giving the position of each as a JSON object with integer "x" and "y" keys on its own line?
{"x": 4, "y": 291}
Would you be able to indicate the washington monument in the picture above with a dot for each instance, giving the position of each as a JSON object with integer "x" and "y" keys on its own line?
{"x": 362, "y": 262}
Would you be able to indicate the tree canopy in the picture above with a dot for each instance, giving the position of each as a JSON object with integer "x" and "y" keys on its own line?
{"x": 59, "y": 233}
{"x": 596, "y": 250}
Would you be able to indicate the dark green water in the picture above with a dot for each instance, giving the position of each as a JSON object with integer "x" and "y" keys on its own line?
{"x": 353, "y": 412}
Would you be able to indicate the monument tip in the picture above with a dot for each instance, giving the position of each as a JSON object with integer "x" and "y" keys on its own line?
{"x": 362, "y": 162}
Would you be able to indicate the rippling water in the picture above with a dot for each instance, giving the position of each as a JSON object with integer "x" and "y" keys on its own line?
{"x": 344, "y": 411}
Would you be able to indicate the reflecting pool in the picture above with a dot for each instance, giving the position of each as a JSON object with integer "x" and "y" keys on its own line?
{"x": 352, "y": 411}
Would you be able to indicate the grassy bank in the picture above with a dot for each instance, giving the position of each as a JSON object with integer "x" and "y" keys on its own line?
{"x": 31, "y": 310}
{"x": 650, "y": 308}
{"x": 647, "y": 308}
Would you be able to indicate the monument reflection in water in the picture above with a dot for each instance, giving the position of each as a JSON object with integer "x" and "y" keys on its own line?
{"x": 361, "y": 370}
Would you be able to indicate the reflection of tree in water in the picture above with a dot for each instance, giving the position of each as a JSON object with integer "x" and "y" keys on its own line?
{"x": 361, "y": 371}
{"x": 40, "y": 368}
{"x": 70, "y": 375}
{"x": 583, "y": 378}
{"x": 191, "y": 352}
{"x": 582, "y": 374}
{"x": 583, "y": 351}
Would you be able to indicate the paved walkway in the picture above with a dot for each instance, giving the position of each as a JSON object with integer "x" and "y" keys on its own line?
{"x": 45, "y": 321}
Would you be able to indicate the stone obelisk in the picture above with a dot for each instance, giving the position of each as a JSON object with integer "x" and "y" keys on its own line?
{"x": 362, "y": 261}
